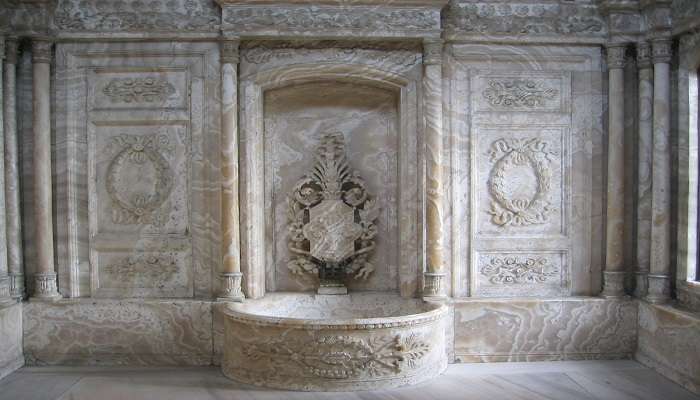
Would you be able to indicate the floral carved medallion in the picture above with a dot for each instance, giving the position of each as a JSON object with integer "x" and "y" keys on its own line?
{"x": 520, "y": 181}
{"x": 516, "y": 270}
{"x": 139, "y": 178}
{"x": 342, "y": 357}
{"x": 138, "y": 90}
{"x": 144, "y": 271}
{"x": 518, "y": 93}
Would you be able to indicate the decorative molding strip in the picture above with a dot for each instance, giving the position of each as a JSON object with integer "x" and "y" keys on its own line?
{"x": 138, "y": 90}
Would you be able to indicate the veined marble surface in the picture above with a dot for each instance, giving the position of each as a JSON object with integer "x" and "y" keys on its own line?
{"x": 544, "y": 329}
{"x": 113, "y": 332}
{"x": 669, "y": 342}
{"x": 11, "y": 356}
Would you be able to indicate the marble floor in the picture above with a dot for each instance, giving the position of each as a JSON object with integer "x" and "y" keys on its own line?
{"x": 565, "y": 380}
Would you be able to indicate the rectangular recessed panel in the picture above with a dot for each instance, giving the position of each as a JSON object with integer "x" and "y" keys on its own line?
{"x": 526, "y": 273}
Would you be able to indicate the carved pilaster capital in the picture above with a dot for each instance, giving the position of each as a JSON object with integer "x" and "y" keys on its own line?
{"x": 45, "y": 287}
{"x": 616, "y": 55}
{"x": 229, "y": 51}
{"x": 41, "y": 51}
{"x": 643, "y": 55}
{"x": 661, "y": 51}
{"x": 231, "y": 287}
{"x": 433, "y": 285}
{"x": 432, "y": 51}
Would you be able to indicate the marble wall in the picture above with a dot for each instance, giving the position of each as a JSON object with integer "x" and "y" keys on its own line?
{"x": 544, "y": 329}
{"x": 11, "y": 354}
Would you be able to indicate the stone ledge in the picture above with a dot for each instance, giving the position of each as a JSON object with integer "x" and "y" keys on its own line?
{"x": 669, "y": 343}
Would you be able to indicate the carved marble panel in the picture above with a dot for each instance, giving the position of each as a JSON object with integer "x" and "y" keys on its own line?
{"x": 145, "y": 165}
{"x": 522, "y": 274}
{"x": 520, "y": 177}
{"x": 531, "y": 91}
{"x": 163, "y": 88}
{"x": 295, "y": 118}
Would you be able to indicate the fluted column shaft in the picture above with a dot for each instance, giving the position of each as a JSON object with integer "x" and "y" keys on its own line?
{"x": 4, "y": 275}
{"x": 432, "y": 109}
{"x": 12, "y": 201}
{"x": 644, "y": 143}
{"x": 231, "y": 263}
{"x": 45, "y": 277}
{"x": 660, "y": 261}
{"x": 613, "y": 276}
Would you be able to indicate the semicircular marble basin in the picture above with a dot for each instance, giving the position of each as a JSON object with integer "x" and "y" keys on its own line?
{"x": 360, "y": 341}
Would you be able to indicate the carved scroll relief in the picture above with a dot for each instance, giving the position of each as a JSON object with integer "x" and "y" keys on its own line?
{"x": 331, "y": 216}
{"x": 138, "y": 90}
{"x": 537, "y": 273}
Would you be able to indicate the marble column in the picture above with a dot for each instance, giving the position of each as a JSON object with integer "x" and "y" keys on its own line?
{"x": 614, "y": 273}
{"x": 432, "y": 110}
{"x": 12, "y": 202}
{"x": 231, "y": 264}
{"x": 659, "y": 290}
{"x": 5, "y": 297}
{"x": 45, "y": 287}
{"x": 644, "y": 148}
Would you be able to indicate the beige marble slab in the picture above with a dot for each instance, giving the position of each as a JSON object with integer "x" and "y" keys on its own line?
{"x": 11, "y": 356}
{"x": 110, "y": 332}
{"x": 544, "y": 329}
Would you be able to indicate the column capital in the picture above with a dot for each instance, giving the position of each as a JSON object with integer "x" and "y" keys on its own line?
{"x": 229, "y": 51}
{"x": 616, "y": 55}
{"x": 11, "y": 50}
{"x": 661, "y": 51}
{"x": 432, "y": 51}
{"x": 41, "y": 50}
{"x": 643, "y": 55}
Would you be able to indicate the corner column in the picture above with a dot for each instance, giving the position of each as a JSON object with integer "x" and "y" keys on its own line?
{"x": 432, "y": 110}
{"x": 660, "y": 262}
{"x": 45, "y": 287}
{"x": 645, "y": 143}
{"x": 12, "y": 210}
{"x": 614, "y": 274}
{"x": 5, "y": 297}
{"x": 231, "y": 275}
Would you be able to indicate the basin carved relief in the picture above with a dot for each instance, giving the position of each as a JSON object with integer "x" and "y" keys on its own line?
{"x": 332, "y": 220}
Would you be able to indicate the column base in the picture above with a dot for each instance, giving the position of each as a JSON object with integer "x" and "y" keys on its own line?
{"x": 231, "y": 287}
{"x": 17, "y": 286}
{"x": 45, "y": 288}
{"x": 5, "y": 298}
{"x": 433, "y": 287}
{"x": 613, "y": 284}
{"x": 641, "y": 287}
{"x": 659, "y": 291}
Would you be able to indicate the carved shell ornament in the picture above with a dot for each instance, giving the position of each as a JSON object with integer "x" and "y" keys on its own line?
{"x": 520, "y": 181}
{"x": 331, "y": 216}
{"x": 139, "y": 178}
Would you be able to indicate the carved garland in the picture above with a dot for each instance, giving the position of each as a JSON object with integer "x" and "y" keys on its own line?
{"x": 513, "y": 93}
{"x": 139, "y": 208}
{"x": 512, "y": 270}
{"x": 342, "y": 357}
{"x": 509, "y": 154}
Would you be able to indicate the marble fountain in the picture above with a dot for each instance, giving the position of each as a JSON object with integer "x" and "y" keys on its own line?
{"x": 333, "y": 340}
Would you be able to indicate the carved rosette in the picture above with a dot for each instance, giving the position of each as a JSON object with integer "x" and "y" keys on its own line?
{"x": 661, "y": 51}
{"x": 514, "y": 270}
{"x": 331, "y": 217}
{"x": 616, "y": 55}
{"x": 138, "y": 90}
{"x": 509, "y": 157}
{"x": 132, "y": 203}
{"x": 515, "y": 93}
{"x": 41, "y": 51}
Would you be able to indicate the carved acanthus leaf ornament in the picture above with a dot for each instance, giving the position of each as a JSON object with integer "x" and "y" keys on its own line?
{"x": 516, "y": 270}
